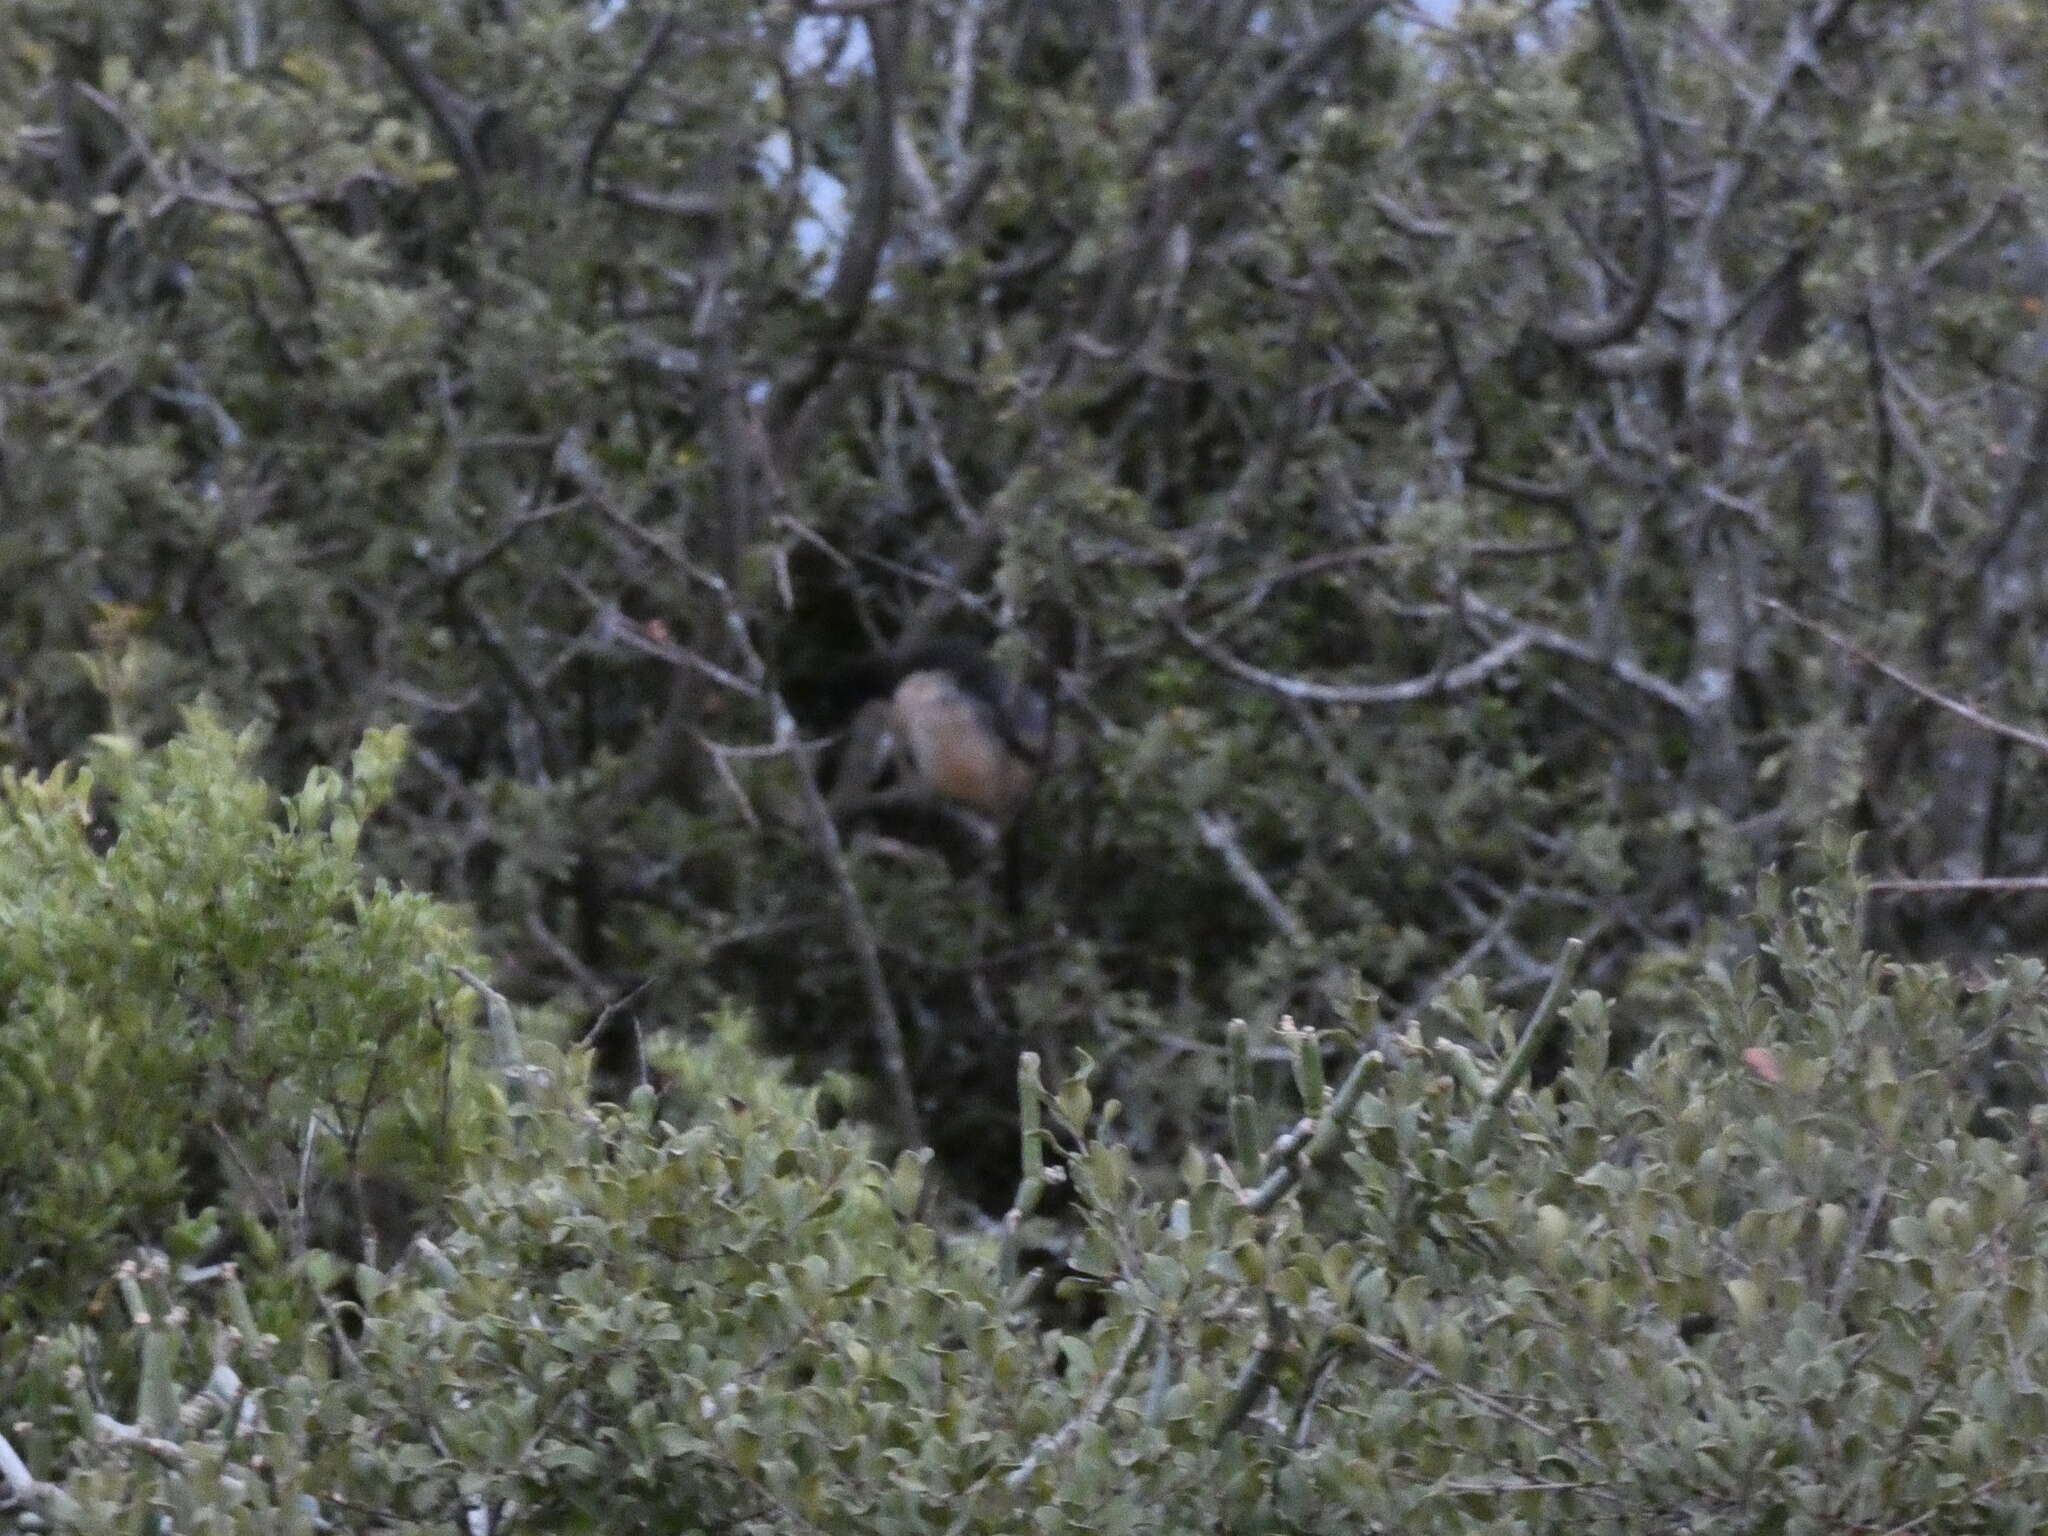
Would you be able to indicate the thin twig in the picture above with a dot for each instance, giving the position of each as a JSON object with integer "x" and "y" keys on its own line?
{"x": 610, "y": 1011}
{"x": 1993, "y": 885}
{"x": 1913, "y": 685}
{"x": 1098, "y": 1401}
{"x": 831, "y": 849}
{"x": 1220, "y": 833}
{"x": 1451, "y": 680}
{"x": 1545, "y": 639}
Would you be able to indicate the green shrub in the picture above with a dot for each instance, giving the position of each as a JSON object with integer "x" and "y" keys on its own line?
{"x": 1766, "y": 1276}
{"x": 213, "y": 1012}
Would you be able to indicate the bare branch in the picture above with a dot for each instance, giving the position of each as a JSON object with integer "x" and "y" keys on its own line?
{"x": 824, "y": 831}
{"x": 1986, "y": 885}
{"x": 295, "y": 261}
{"x": 1451, "y": 680}
{"x": 1220, "y": 833}
{"x": 1661, "y": 689}
{"x": 1913, "y": 685}
{"x": 802, "y": 402}
{"x": 1097, "y": 1403}
{"x": 960, "y": 83}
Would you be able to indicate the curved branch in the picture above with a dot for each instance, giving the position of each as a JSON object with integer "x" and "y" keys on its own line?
{"x": 1603, "y": 331}
{"x": 1661, "y": 689}
{"x": 615, "y": 109}
{"x": 1451, "y": 680}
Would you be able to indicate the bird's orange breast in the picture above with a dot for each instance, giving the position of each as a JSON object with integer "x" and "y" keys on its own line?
{"x": 953, "y": 743}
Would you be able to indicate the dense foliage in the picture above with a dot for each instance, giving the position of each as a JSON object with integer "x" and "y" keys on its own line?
{"x": 1478, "y": 484}
{"x": 1412, "y": 443}
{"x": 1782, "y": 1270}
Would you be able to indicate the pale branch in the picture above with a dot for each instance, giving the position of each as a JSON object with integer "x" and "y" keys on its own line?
{"x": 960, "y": 82}
{"x": 1661, "y": 689}
{"x": 1168, "y": 196}
{"x": 507, "y": 1054}
{"x": 802, "y": 403}
{"x": 1092, "y": 1410}
{"x": 1961, "y": 241}
{"x": 1218, "y": 832}
{"x": 1306, "y": 63}
{"x": 1465, "y": 675}
{"x": 887, "y": 1030}
{"x": 1801, "y": 47}
{"x": 1990, "y": 885}
{"x": 1911, "y": 684}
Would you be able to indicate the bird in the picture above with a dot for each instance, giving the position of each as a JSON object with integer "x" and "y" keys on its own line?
{"x": 965, "y": 737}
{"x": 969, "y": 734}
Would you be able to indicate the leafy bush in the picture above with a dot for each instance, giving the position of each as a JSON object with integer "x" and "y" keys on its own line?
{"x": 213, "y": 1011}
{"x": 1767, "y": 1276}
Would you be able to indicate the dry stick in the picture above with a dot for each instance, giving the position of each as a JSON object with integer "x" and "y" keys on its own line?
{"x": 1624, "y": 670}
{"x": 798, "y": 407}
{"x": 1987, "y": 884}
{"x": 590, "y": 1035}
{"x": 1956, "y": 707}
{"x": 1171, "y": 194}
{"x": 1465, "y": 675}
{"x": 960, "y": 82}
{"x": 294, "y": 258}
{"x": 1218, "y": 831}
{"x": 888, "y": 1032}
{"x": 867, "y": 954}
{"x": 1098, "y": 1401}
